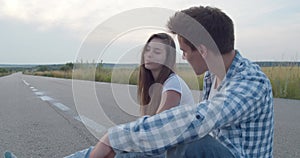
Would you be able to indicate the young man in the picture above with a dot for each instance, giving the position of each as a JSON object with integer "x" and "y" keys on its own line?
{"x": 235, "y": 118}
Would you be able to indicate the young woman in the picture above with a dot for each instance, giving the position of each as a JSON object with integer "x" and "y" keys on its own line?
{"x": 159, "y": 88}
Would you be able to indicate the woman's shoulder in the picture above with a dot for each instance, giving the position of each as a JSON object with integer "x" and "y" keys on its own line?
{"x": 174, "y": 81}
{"x": 173, "y": 76}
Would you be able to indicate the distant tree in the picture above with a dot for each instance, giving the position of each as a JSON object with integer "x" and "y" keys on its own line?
{"x": 70, "y": 65}
{"x": 67, "y": 67}
{"x": 2, "y": 70}
{"x": 100, "y": 65}
{"x": 42, "y": 68}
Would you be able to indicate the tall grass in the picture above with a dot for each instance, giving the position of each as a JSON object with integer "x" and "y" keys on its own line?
{"x": 125, "y": 75}
{"x": 57, "y": 73}
{"x": 285, "y": 80}
{"x": 4, "y": 74}
{"x": 188, "y": 75}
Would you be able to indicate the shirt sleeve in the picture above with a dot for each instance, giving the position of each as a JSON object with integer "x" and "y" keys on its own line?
{"x": 182, "y": 124}
{"x": 154, "y": 135}
{"x": 173, "y": 83}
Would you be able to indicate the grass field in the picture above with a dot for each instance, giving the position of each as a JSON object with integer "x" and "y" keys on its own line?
{"x": 4, "y": 74}
{"x": 285, "y": 80}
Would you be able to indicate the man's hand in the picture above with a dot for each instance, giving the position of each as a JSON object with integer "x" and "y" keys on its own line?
{"x": 102, "y": 149}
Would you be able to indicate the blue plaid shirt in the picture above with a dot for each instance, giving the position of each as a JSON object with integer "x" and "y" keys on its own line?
{"x": 240, "y": 116}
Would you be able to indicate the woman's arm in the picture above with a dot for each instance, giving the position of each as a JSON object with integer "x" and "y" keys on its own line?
{"x": 169, "y": 99}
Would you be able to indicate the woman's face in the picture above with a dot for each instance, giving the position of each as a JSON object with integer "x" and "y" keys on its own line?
{"x": 155, "y": 55}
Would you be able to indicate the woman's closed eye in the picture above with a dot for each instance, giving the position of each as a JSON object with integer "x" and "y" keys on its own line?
{"x": 157, "y": 51}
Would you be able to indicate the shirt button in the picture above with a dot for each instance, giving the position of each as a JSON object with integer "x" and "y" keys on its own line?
{"x": 198, "y": 117}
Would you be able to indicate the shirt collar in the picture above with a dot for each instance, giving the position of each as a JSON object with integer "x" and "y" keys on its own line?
{"x": 235, "y": 66}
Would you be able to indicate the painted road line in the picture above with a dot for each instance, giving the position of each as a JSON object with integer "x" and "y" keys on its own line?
{"x": 91, "y": 124}
{"x": 46, "y": 98}
{"x": 88, "y": 122}
{"x": 39, "y": 93}
{"x": 26, "y": 83}
{"x": 61, "y": 106}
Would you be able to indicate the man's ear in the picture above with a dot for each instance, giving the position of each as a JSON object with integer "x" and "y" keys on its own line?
{"x": 202, "y": 50}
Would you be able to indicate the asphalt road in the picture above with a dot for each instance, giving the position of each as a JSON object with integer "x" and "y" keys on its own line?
{"x": 43, "y": 117}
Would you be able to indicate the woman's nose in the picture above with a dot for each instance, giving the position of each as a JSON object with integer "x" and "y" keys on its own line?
{"x": 148, "y": 54}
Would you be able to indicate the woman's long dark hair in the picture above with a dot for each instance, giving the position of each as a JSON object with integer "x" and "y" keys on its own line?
{"x": 150, "y": 102}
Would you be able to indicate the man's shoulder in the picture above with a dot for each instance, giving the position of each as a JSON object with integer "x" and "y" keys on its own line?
{"x": 248, "y": 72}
{"x": 247, "y": 68}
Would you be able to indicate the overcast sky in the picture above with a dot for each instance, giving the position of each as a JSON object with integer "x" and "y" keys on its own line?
{"x": 44, "y": 32}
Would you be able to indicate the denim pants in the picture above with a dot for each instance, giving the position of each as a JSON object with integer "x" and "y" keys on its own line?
{"x": 119, "y": 154}
{"x": 206, "y": 147}
{"x": 81, "y": 154}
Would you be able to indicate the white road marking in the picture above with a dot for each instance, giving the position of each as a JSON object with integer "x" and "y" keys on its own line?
{"x": 88, "y": 122}
{"x": 26, "y": 82}
{"x": 61, "y": 106}
{"x": 46, "y": 98}
{"x": 39, "y": 93}
{"x": 85, "y": 120}
{"x": 91, "y": 124}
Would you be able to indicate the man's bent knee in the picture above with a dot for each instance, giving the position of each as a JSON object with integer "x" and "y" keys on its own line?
{"x": 206, "y": 147}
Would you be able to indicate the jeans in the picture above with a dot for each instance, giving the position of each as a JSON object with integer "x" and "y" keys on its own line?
{"x": 206, "y": 147}
{"x": 119, "y": 154}
{"x": 9, "y": 154}
{"x": 136, "y": 155}
{"x": 81, "y": 154}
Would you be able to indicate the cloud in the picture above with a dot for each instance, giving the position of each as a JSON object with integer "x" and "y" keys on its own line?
{"x": 69, "y": 14}
{"x": 80, "y": 15}
{"x": 77, "y": 15}
{"x": 264, "y": 24}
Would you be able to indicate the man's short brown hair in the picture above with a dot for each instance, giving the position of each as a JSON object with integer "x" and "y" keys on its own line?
{"x": 217, "y": 25}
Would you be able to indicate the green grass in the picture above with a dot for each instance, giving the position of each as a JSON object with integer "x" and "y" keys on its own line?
{"x": 56, "y": 73}
{"x": 4, "y": 74}
{"x": 193, "y": 81}
{"x": 285, "y": 80}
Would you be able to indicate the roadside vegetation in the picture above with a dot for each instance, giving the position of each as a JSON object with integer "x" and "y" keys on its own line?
{"x": 4, "y": 72}
{"x": 285, "y": 80}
